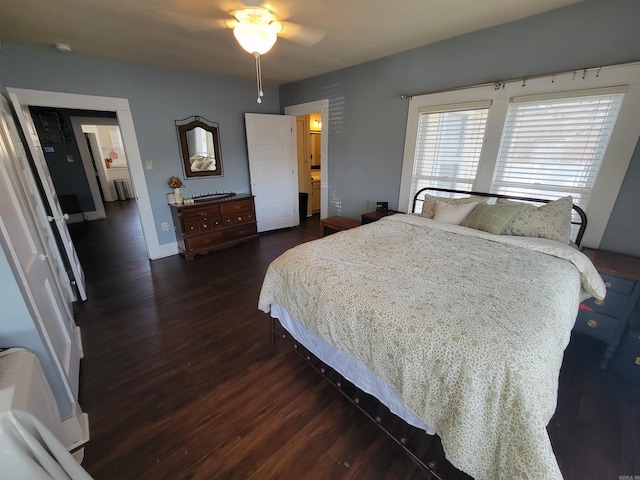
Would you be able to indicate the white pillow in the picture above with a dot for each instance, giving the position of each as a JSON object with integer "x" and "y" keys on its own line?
{"x": 429, "y": 203}
{"x": 454, "y": 214}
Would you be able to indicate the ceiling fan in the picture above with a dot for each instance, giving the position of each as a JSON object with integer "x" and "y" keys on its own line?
{"x": 256, "y": 26}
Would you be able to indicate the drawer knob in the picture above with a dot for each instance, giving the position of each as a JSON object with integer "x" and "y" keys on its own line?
{"x": 237, "y": 207}
{"x": 203, "y": 214}
{"x": 607, "y": 284}
{"x": 592, "y": 323}
{"x": 599, "y": 302}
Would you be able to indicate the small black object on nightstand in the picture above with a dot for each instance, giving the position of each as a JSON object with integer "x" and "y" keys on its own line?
{"x": 382, "y": 207}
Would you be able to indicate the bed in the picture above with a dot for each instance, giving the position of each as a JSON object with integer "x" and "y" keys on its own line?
{"x": 455, "y": 327}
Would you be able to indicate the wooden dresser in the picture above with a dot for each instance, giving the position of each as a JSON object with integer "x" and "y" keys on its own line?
{"x": 214, "y": 224}
{"x": 606, "y": 320}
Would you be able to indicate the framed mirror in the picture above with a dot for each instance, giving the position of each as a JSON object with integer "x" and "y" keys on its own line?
{"x": 315, "y": 150}
{"x": 200, "y": 147}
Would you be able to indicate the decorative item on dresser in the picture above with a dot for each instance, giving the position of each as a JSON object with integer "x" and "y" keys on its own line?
{"x": 607, "y": 319}
{"x": 215, "y": 223}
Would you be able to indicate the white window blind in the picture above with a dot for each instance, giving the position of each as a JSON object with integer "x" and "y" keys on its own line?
{"x": 553, "y": 147}
{"x": 448, "y": 146}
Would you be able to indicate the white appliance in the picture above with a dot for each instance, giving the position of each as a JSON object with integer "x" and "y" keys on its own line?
{"x": 31, "y": 431}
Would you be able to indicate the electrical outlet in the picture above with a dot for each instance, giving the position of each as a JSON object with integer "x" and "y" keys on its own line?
{"x": 165, "y": 226}
{"x": 148, "y": 164}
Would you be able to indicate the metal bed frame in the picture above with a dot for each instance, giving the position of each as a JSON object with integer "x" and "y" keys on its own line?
{"x": 582, "y": 222}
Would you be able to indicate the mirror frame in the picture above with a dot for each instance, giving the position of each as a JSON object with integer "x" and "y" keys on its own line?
{"x": 188, "y": 124}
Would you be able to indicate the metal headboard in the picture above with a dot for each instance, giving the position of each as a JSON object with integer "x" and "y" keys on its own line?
{"x": 583, "y": 216}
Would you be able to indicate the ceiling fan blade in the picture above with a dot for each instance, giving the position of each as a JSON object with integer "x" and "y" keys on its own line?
{"x": 306, "y": 36}
{"x": 232, "y": 5}
{"x": 187, "y": 22}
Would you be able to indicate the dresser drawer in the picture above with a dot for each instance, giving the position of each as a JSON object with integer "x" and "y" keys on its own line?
{"x": 205, "y": 212}
{"x": 200, "y": 242}
{"x": 238, "y": 218}
{"x": 203, "y": 225}
{"x": 235, "y": 233}
{"x": 242, "y": 206}
{"x": 596, "y": 325}
{"x": 613, "y": 304}
{"x": 617, "y": 284}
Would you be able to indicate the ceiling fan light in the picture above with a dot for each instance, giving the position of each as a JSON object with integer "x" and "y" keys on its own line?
{"x": 255, "y": 38}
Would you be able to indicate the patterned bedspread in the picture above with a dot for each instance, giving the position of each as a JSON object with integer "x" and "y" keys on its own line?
{"x": 470, "y": 328}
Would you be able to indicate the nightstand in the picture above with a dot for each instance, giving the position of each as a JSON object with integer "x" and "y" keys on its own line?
{"x": 607, "y": 320}
{"x": 375, "y": 216}
{"x": 337, "y": 224}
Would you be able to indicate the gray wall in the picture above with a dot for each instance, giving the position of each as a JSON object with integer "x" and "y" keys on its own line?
{"x": 157, "y": 98}
{"x": 368, "y": 119}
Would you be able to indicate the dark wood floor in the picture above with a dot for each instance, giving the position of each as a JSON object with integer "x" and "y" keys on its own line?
{"x": 180, "y": 379}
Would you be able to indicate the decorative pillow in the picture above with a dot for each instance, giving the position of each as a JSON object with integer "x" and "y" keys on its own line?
{"x": 455, "y": 214}
{"x": 552, "y": 220}
{"x": 491, "y": 218}
{"x": 429, "y": 203}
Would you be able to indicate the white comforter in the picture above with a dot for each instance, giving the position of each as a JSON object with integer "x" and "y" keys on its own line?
{"x": 470, "y": 328}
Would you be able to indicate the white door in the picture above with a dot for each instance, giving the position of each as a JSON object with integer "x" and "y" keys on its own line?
{"x": 57, "y": 216}
{"x": 15, "y": 149}
{"x": 273, "y": 167}
{"x": 25, "y": 248}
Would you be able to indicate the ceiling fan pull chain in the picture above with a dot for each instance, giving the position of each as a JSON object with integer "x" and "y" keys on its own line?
{"x": 258, "y": 77}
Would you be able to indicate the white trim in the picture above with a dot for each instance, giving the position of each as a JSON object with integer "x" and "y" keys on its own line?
{"x": 616, "y": 160}
{"x": 76, "y": 123}
{"x": 167, "y": 250}
{"x": 127, "y": 129}
{"x": 321, "y": 106}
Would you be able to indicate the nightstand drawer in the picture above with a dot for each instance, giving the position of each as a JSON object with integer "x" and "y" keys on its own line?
{"x": 601, "y": 327}
{"x": 613, "y": 304}
{"x": 617, "y": 284}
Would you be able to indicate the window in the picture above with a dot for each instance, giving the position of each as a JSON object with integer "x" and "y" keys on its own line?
{"x": 572, "y": 134}
{"x": 552, "y": 148}
{"x": 448, "y": 146}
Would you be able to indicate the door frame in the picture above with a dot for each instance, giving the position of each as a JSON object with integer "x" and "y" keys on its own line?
{"x": 321, "y": 106}
{"x": 77, "y": 122}
{"x": 121, "y": 107}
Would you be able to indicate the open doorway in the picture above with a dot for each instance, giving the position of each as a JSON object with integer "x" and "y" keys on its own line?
{"x": 120, "y": 106}
{"x": 309, "y": 143}
{"x": 313, "y": 169}
{"x": 100, "y": 143}
{"x": 86, "y": 159}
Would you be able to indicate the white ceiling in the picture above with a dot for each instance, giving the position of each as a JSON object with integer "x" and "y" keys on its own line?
{"x": 189, "y": 34}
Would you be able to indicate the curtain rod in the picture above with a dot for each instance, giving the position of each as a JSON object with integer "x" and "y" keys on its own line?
{"x": 501, "y": 83}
